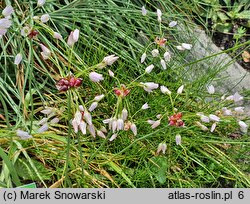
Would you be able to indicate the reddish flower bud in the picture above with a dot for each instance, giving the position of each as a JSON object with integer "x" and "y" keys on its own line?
{"x": 65, "y": 83}
{"x": 175, "y": 120}
{"x": 123, "y": 91}
{"x": 160, "y": 41}
{"x": 117, "y": 92}
{"x": 126, "y": 92}
{"x": 33, "y": 33}
{"x": 78, "y": 82}
{"x": 71, "y": 81}
{"x": 171, "y": 123}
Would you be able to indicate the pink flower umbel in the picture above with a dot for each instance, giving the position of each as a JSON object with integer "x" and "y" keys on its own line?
{"x": 66, "y": 83}
{"x": 160, "y": 41}
{"x": 121, "y": 92}
{"x": 176, "y": 120}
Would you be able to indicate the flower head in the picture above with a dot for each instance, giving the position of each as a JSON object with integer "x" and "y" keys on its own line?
{"x": 226, "y": 112}
{"x": 180, "y": 89}
{"x": 46, "y": 53}
{"x": 133, "y": 128}
{"x": 243, "y": 126}
{"x": 239, "y": 110}
{"x": 160, "y": 41}
{"x": 176, "y": 120}
{"x": 25, "y": 31}
{"x": 124, "y": 114}
{"x": 111, "y": 74}
{"x": 143, "y": 57}
{"x": 23, "y": 135}
{"x": 68, "y": 82}
{"x": 178, "y": 139}
{"x": 156, "y": 124}
{"x": 163, "y": 64}
{"x": 57, "y": 35}
{"x": 8, "y": 10}
{"x": 162, "y": 147}
{"x": 121, "y": 92}
{"x": 165, "y": 90}
{"x": 203, "y": 127}
{"x": 213, "y": 127}
{"x": 155, "y": 52}
{"x": 214, "y": 118}
{"x": 167, "y": 56}
{"x": 93, "y": 106}
{"x": 149, "y": 86}
{"x": 45, "y": 18}
{"x": 95, "y": 77}
{"x": 205, "y": 119}
{"x": 186, "y": 46}
{"x": 5, "y": 23}
{"x": 33, "y": 33}
{"x": 145, "y": 106}
{"x": 99, "y": 97}
{"x": 113, "y": 137}
{"x": 172, "y": 24}
{"x": 43, "y": 128}
{"x": 144, "y": 11}
{"x": 109, "y": 60}
{"x": 18, "y": 59}
{"x": 159, "y": 14}
{"x": 73, "y": 37}
{"x": 237, "y": 97}
{"x": 41, "y": 2}
{"x": 149, "y": 68}
{"x": 100, "y": 134}
{"x": 210, "y": 89}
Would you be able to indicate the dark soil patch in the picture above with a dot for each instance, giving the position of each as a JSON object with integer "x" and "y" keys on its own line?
{"x": 226, "y": 41}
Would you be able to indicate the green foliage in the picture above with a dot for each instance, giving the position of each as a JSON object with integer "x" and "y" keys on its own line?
{"x": 59, "y": 157}
{"x": 224, "y": 14}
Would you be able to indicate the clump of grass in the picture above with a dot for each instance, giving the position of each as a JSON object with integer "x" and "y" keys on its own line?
{"x": 62, "y": 82}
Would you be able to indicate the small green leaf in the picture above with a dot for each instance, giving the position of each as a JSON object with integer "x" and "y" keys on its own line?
{"x": 243, "y": 15}
{"x": 227, "y": 2}
{"x": 222, "y": 16}
{"x": 223, "y": 27}
{"x": 161, "y": 176}
{"x": 28, "y": 97}
{"x": 30, "y": 185}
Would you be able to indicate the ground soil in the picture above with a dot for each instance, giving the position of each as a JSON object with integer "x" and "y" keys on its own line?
{"x": 226, "y": 41}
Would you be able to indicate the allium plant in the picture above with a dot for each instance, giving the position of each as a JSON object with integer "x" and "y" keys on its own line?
{"x": 98, "y": 102}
